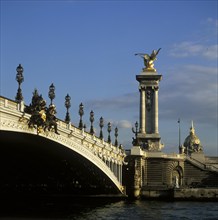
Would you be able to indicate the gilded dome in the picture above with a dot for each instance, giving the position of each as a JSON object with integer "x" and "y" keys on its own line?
{"x": 192, "y": 142}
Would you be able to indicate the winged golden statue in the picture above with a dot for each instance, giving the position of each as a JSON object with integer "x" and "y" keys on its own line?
{"x": 149, "y": 59}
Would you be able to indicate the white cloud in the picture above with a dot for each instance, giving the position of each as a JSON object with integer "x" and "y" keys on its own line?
{"x": 190, "y": 49}
{"x": 203, "y": 46}
{"x": 124, "y": 124}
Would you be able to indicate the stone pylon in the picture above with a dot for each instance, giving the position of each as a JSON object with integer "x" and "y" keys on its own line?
{"x": 148, "y": 136}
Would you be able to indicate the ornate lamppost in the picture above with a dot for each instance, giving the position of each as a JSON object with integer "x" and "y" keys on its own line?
{"x": 91, "y": 120}
{"x": 81, "y": 113}
{"x": 51, "y": 93}
{"x": 67, "y": 105}
{"x": 109, "y": 131}
{"x": 101, "y": 124}
{"x": 179, "y": 121}
{"x": 116, "y": 135}
{"x": 20, "y": 79}
{"x": 135, "y": 140}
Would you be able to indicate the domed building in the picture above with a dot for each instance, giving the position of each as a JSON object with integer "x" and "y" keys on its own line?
{"x": 192, "y": 143}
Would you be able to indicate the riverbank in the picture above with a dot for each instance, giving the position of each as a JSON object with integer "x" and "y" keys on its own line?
{"x": 188, "y": 194}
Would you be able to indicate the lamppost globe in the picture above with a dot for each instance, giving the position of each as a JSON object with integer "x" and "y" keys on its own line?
{"x": 136, "y": 125}
{"x": 67, "y": 101}
{"x": 67, "y": 105}
{"x": 135, "y": 131}
{"x": 91, "y": 120}
{"x": 116, "y": 135}
{"x": 109, "y": 131}
{"x": 101, "y": 124}
{"x": 51, "y": 93}
{"x": 19, "y": 76}
{"x": 81, "y": 113}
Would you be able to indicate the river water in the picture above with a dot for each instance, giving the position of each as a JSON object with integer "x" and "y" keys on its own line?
{"x": 107, "y": 209}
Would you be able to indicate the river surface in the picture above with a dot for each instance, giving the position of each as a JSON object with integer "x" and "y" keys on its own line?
{"x": 112, "y": 210}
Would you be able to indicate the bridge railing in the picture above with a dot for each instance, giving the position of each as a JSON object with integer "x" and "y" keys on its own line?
{"x": 8, "y": 103}
{"x": 62, "y": 125}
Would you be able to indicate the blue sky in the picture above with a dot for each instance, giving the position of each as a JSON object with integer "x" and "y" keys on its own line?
{"x": 86, "y": 48}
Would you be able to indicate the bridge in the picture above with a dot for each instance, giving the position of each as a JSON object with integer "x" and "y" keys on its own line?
{"x": 40, "y": 154}
{"x": 68, "y": 160}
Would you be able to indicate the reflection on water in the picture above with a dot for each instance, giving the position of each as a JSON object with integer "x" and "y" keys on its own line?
{"x": 107, "y": 208}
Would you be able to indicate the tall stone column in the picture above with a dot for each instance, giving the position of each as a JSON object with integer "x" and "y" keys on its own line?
{"x": 142, "y": 110}
{"x": 148, "y": 136}
{"x": 156, "y": 131}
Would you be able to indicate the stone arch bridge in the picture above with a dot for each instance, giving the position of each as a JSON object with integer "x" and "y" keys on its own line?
{"x": 72, "y": 161}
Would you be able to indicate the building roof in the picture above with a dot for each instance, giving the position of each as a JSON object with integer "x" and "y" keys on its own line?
{"x": 192, "y": 143}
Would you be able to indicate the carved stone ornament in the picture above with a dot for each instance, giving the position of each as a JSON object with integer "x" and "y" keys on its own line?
{"x": 149, "y": 95}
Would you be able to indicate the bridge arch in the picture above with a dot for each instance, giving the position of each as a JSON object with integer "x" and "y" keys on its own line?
{"x": 92, "y": 154}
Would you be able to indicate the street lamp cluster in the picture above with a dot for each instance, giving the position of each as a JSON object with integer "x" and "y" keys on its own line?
{"x": 82, "y": 126}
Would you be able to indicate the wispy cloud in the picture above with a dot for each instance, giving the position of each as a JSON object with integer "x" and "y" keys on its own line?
{"x": 191, "y": 92}
{"x": 189, "y": 49}
{"x": 125, "y": 101}
{"x": 204, "y": 46}
{"x": 212, "y": 23}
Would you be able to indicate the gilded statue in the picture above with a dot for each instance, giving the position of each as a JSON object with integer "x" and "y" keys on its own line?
{"x": 42, "y": 118}
{"x": 149, "y": 59}
{"x": 51, "y": 121}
